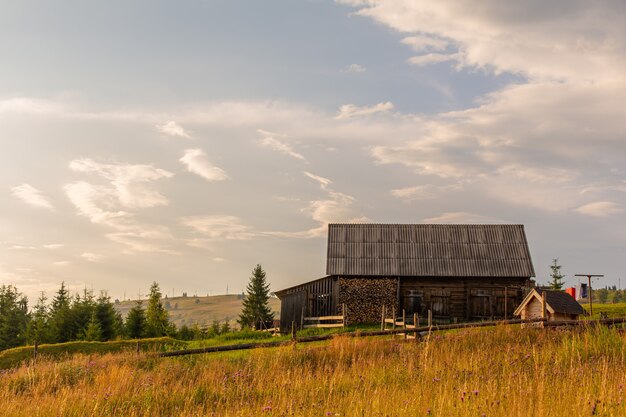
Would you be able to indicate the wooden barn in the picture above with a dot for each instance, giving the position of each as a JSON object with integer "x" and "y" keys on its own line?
{"x": 459, "y": 272}
{"x": 551, "y": 305}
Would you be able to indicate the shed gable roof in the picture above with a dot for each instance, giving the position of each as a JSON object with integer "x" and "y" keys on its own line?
{"x": 556, "y": 302}
{"x": 428, "y": 250}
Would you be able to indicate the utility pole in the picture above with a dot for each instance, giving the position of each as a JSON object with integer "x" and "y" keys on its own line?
{"x": 589, "y": 276}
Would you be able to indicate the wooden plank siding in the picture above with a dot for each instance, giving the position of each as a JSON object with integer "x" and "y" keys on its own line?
{"x": 461, "y": 298}
{"x": 314, "y": 298}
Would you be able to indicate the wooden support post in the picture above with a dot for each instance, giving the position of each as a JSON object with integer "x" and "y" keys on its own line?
{"x": 404, "y": 320}
{"x": 393, "y": 314}
{"x": 430, "y": 317}
{"x": 417, "y": 319}
{"x": 343, "y": 313}
{"x": 505, "y": 303}
{"x": 302, "y": 318}
{"x": 293, "y": 330}
{"x": 382, "y": 321}
{"x": 416, "y": 325}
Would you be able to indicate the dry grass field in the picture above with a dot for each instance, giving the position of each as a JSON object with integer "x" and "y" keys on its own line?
{"x": 506, "y": 371}
{"x": 202, "y": 310}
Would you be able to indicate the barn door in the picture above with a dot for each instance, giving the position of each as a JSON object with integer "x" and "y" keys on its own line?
{"x": 440, "y": 303}
{"x": 480, "y": 304}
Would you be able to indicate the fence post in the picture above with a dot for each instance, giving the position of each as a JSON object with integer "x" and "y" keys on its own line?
{"x": 404, "y": 321}
{"x": 393, "y": 314}
{"x": 430, "y": 318}
{"x": 293, "y": 331}
{"x": 302, "y": 318}
{"x": 415, "y": 325}
{"x": 35, "y": 349}
{"x": 344, "y": 313}
{"x": 382, "y": 321}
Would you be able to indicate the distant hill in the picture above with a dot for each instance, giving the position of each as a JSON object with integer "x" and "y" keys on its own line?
{"x": 201, "y": 310}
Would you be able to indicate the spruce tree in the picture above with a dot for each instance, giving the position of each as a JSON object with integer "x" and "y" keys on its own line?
{"x": 256, "y": 312}
{"x": 61, "y": 324}
{"x": 157, "y": 317}
{"x": 557, "y": 278}
{"x": 136, "y": 321}
{"x": 38, "y": 331}
{"x": 106, "y": 315}
{"x": 93, "y": 330}
{"x": 14, "y": 317}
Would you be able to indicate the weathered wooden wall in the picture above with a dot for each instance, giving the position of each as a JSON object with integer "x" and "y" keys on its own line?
{"x": 364, "y": 297}
{"x": 461, "y": 298}
{"x": 311, "y": 299}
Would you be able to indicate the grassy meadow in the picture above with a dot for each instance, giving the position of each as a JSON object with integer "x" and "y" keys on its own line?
{"x": 503, "y": 371}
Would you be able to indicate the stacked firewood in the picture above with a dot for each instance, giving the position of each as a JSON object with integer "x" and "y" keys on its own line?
{"x": 364, "y": 297}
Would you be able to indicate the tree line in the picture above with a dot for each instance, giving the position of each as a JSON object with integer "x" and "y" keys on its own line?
{"x": 87, "y": 317}
{"x": 94, "y": 318}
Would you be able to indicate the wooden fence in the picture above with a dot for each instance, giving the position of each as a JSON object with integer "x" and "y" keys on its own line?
{"x": 419, "y": 331}
{"x": 325, "y": 322}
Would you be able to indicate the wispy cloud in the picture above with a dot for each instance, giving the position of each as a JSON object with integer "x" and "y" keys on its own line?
{"x": 424, "y": 192}
{"x": 600, "y": 209}
{"x": 31, "y": 196}
{"x": 197, "y": 162}
{"x": 92, "y": 257}
{"x": 53, "y": 246}
{"x": 126, "y": 187}
{"x": 172, "y": 128}
{"x": 432, "y": 58}
{"x": 271, "y": 141}
{"x": 355, "y": 69}
{"x": 323, "y": 182}
{"x": 348, "y": 111}
{"x": 218, "y": 227}
{"x": 462, "y": 217}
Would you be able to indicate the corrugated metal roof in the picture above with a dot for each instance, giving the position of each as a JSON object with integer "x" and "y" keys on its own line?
{"x": 455, "y": 250}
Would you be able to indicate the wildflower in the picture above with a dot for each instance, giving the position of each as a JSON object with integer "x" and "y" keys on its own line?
{"x": 267, "y": 408}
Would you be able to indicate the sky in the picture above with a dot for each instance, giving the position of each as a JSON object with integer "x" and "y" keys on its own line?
{"x": 185, "y": 142}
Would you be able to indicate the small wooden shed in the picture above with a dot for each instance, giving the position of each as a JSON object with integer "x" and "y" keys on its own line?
{"x": 559, "y": 305}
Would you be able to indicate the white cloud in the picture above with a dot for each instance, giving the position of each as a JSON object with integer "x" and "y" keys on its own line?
{"x": 600, "y": 209}
{"x": 61, "y": 263}
{"x": 31, "y": 196}
{"x": 462, "y": 217}
{"x": 269, "y": 140}
{"x": 92, "y": 257}
{"x": 348, "y": 111}
{"x": 198, "y": 163}
{"x": 172, "y": 128}
{"x": 432, "y": 58}
{"x": 355, "y": 69}
{"x": 558, "y": 40}
{"x": 424, "y": 192}
{"x": 131, "y": 183}
{"x": 53, "y": 246}
{"x": 219, "y": 227}
{"x": 323, "y": 182}
{"x": 126, "y": 187}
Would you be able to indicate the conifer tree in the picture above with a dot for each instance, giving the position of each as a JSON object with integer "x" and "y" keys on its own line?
{"x": 38, "y": 331}
{"x": 107, "y": 317}
{"x": 14, "y": 317}
{"x": 93, "y": 330}
{"x": 136, "y": 321}
{"x": 557, "y": 278}
{"x": 256, "y": 312}
{"x": 157, "y": 317}
{"x": 61, "y": 325}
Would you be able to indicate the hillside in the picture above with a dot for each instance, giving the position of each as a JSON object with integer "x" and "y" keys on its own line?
{"x": 201, "y": 310}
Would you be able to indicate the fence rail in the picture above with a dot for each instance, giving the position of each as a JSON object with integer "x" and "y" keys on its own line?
{"x": 326, "y": 322}
{"x": 419, "y": 331}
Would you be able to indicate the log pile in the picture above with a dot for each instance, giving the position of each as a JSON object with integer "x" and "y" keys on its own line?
{"x": 364, "y": 297}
